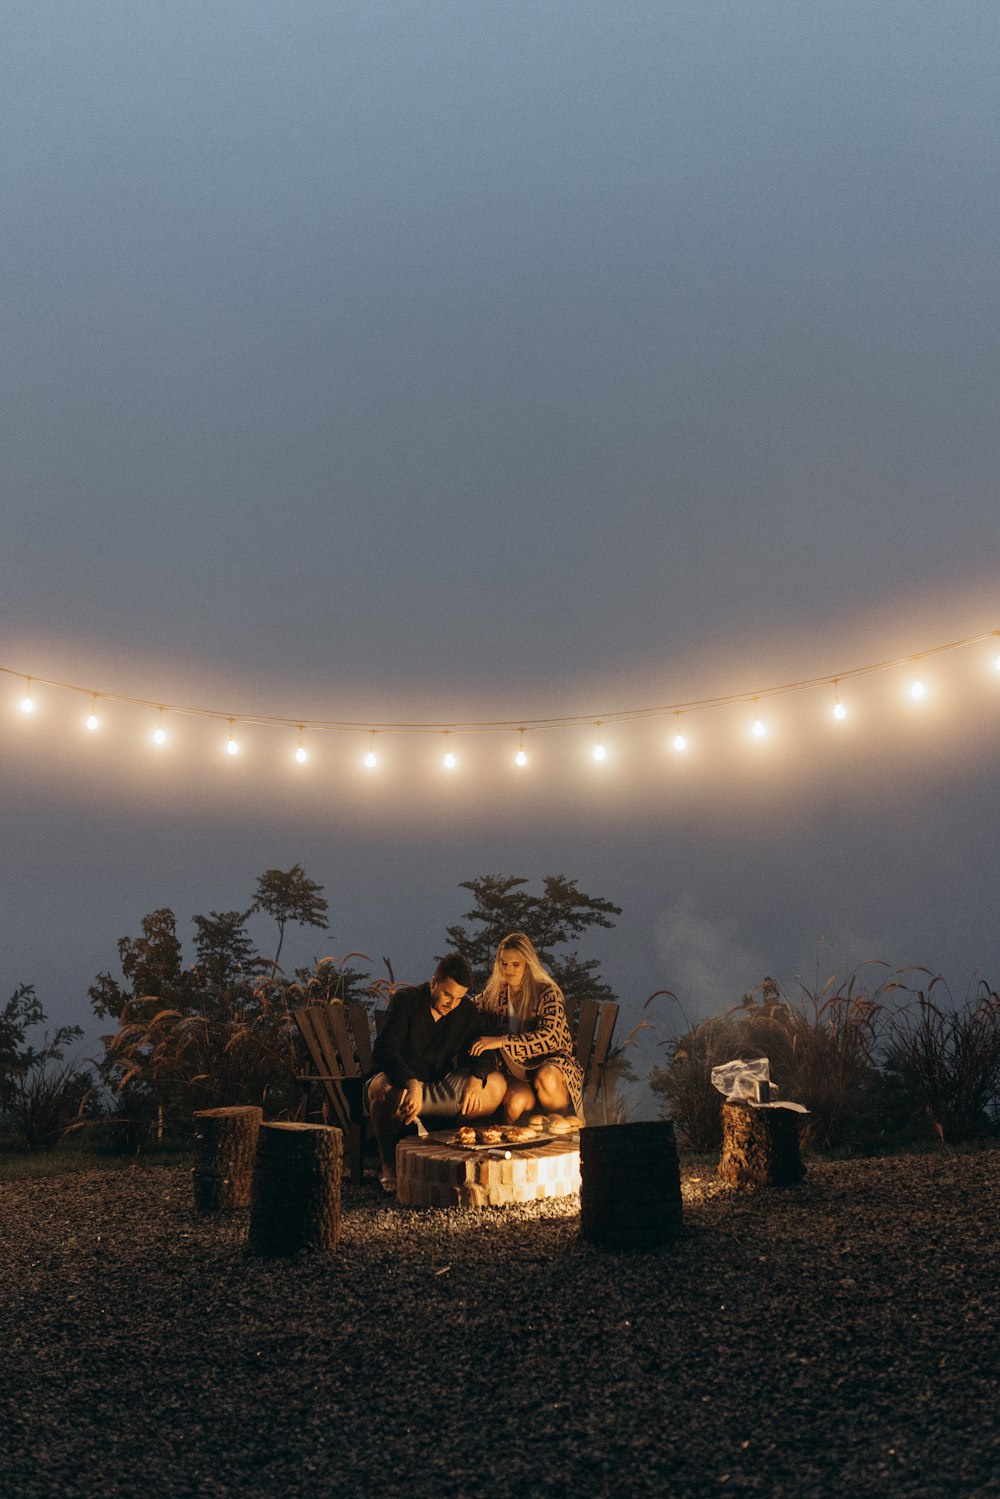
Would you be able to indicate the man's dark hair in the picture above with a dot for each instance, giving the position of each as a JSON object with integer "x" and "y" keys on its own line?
{"x": 455, "y": 966}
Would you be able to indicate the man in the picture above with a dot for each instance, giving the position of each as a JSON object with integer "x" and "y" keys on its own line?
{"x": 422, "y": 1061}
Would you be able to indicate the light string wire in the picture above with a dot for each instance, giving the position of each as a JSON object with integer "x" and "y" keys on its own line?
{"x": 492, "y": 726}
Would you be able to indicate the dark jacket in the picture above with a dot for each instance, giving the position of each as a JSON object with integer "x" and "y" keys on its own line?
{"x": 412, "y": 1044}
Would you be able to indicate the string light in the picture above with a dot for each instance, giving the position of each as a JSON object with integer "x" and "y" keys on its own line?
{"x": 520, "y": 725}
{"x": 759, "y": 728}
{"x": 449, "y": 761}
{"x": 300, "y": 754}
{"x": 371, "y": 759}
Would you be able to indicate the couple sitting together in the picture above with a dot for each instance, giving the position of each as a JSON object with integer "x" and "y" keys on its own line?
{"x": 443, "y": 1054}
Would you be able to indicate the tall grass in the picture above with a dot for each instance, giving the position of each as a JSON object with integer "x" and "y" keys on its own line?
{"x": 942, "y": 1062}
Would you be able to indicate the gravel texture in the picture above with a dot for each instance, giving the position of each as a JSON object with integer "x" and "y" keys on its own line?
{"x": 835, "y": 1338}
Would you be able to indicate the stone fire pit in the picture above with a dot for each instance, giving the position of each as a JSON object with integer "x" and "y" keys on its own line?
{"x": 431, "y": 1173}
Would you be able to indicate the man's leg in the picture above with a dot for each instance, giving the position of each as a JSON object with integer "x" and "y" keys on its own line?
{"x": 383, "y": 1106}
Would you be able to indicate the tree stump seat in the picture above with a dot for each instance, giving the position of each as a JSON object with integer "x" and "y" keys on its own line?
{"x": 760, "y": 1146}
{"x": 296, "y": 1189}
{"x": 225, "y": 1144}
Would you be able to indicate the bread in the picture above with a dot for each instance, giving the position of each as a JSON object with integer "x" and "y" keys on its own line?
{"x": 538, "y": 1121}
{"x": 465, "y": 1136}
{"x": 488, "y": 1136}
{"x": 560, "y": 1126}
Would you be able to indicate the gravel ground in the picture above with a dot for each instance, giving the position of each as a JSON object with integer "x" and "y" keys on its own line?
{"x": 837, "y": 1338}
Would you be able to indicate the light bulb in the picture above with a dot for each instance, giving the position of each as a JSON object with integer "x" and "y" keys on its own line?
{"x": 160, "y": 733}
{"x": 449, "y": 762}
{"x": 759, "y": 728}
{"x": 839, "y": 711}
{"x": 997, "y": 663}
{"x": 680, "y": 743}
{"x": 232, "y": 748}
{"x": 918, "y": 690}
{"x": 600, "y": 753}
{"x": 371, "y": 759}
{"x": 92, "y": 721}
{"x": 301, "y": 755}
{"x": 520, "y": 758}
{"x": 27, "y": 702}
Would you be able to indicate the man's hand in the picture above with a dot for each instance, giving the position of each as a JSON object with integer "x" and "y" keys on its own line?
{"x": 473, "y": 1088}
{"x": 486, "y": 1043}
{"x": 411, "y": 1101}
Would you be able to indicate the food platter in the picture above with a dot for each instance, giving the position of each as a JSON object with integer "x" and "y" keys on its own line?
{"x": 543, "y": 1137}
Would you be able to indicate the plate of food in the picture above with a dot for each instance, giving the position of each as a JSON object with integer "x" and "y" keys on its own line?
{"x": 492, "y": 1136}
{"x": 519, "y": 1136}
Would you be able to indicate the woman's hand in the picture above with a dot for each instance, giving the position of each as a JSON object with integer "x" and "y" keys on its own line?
{"x": 486, "y": 1043}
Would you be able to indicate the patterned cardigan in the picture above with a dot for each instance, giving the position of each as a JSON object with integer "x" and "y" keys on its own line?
{"x": 547, "y": 1039}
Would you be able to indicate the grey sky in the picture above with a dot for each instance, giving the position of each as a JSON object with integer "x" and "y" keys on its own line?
{"x": 477, "y": 360}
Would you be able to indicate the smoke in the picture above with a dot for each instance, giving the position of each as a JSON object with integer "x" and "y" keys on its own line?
{"x": 705, "y": 961}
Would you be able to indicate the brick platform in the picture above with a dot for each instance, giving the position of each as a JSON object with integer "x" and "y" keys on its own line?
{"x": 431, "y": 1174}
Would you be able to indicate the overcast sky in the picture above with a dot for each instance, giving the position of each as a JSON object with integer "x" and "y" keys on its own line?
{"x": 473, "y": 361}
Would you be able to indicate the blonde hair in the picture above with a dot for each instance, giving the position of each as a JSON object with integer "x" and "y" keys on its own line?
{"x": 535, "y": 977}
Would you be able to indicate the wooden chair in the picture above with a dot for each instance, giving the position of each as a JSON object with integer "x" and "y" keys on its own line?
{"x": 338, "y": 1043}
{"x": 592, "y": 1024}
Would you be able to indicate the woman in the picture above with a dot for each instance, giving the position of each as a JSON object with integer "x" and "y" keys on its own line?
{"x": 532, "y": 1036}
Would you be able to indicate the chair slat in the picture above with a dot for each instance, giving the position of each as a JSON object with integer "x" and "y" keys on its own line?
{"x": 586, "y": 1025}
{"x": 337, "y": 1019}
{"x": 362, "y": 1027}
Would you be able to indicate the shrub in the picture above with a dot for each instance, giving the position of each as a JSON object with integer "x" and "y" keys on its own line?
{"x": 45, "y": 1101}
{"x": 821, "y": 1049}
{"x": 943, "y": 1064}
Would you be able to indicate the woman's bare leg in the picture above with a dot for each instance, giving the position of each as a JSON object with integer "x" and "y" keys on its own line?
{"x": 517, "y": 1101}
{"x": 552, "y": 1090}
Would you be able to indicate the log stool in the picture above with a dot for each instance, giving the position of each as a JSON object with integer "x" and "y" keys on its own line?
{"x": 225, "y": 1145}
{"x": 630, "y": 1185}
{"x": 296, "y": 1189}
{"x": 760, "y": 1146}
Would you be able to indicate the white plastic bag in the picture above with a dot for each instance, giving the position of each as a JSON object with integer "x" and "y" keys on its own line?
{"x": 739, "y": 1078}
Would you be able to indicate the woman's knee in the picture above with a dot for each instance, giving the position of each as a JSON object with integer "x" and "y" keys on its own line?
{"x": 551, "y": 1088}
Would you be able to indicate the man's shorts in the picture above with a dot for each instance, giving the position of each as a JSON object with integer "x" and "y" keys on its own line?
{"x": 443, "y": 1099}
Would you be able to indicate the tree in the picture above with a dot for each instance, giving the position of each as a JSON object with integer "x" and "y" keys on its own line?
{"x": 17, "y": 1056}
{"x": 552, "y": 919}
{"x": 288, "y": 895}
